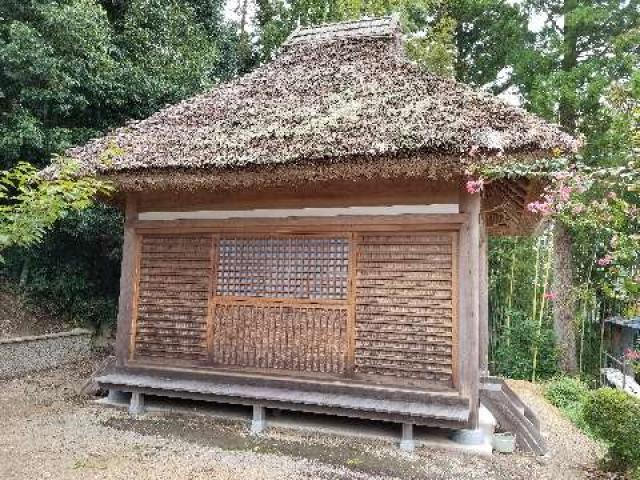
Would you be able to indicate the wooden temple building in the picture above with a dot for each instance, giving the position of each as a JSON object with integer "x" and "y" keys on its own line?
{"x": 301, "y": 237}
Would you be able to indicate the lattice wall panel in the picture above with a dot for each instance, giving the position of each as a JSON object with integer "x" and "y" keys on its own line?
{"x": 404, "y": 310}
{"x": 295, "y": 267}
{"x": 175, "y": 272}
{"x": 280, "y": 337}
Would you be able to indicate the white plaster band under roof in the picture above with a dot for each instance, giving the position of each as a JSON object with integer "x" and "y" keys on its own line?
{"x": 433, "y": 208}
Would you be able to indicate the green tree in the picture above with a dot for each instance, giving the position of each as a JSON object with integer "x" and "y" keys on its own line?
{"x": 58, "y": 78}
{"x": 167, "y": 55}
{"x": 31, "y": 204}
{"x": 69, "y": 70}
{"x": 582, "y": 50}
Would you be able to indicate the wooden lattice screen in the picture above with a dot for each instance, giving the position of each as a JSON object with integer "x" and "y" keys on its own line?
{"x": 281, "y": 303}
{"x": 374, "y": 305}
{"x": 300, "y": 268}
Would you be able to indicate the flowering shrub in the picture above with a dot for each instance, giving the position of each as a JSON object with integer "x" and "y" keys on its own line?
{"x": 632, "y": 354}
{"x": 604, "y": 201}
{"x": 475, "y": 186}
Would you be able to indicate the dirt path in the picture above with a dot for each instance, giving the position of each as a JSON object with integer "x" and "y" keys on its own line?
{"x": 48, "y": 431}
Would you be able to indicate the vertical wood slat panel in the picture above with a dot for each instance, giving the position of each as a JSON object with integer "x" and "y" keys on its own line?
{"x": 269, "y": 337}
{"x": 174, "y": 285}
{"x": 404, "y": 306}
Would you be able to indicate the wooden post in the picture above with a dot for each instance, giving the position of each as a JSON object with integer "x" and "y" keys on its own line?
{"x": 484, "y": 300}
{"x": 127, "y": 283}
{"x": 469, "y": 303}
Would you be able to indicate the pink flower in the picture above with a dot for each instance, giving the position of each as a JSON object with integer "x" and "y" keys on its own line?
{"x": 475, "y": 186}
{"x": 543, "y": 208}
{"x": 565, "y": 193}
{"x": 605, "y": 261}
{"x": 577, "y": 209}
{"x": 631, "y": 354}
{"x": 550, "y": 296}
{"x": 473, "y": 151}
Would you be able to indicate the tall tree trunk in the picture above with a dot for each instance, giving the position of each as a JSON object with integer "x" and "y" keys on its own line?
{"x": 567, "y": 105}
{"x": 564, "y": 304}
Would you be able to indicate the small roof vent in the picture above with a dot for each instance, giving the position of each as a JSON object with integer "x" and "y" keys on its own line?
{"x": 366, "y": 27}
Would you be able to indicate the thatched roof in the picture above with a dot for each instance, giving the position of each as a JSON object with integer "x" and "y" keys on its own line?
{"x": 337, "y": 93}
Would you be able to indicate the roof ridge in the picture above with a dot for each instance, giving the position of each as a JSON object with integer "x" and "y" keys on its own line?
{"x": 365, "y": 27}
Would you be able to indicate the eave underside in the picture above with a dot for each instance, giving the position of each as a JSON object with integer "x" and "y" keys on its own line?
{"x": 381, "y": 180}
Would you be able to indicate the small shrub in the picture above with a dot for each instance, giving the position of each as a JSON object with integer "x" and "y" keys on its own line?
{"x": 569, "y": 394}
{"x": 614, "y": 416}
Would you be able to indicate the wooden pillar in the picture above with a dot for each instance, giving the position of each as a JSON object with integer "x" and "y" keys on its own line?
{"x": 469, "y": 303}
{"x": 484, "y": 300}
{"x": 127, "y": 282}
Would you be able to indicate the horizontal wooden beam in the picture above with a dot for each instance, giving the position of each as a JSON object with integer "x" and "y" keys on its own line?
{"x": 426, "y": 222}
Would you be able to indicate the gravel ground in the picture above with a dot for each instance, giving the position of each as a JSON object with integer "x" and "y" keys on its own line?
{"x": 51, "y": 432}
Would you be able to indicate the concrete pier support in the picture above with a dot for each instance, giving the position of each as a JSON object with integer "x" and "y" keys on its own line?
{"x": 117, "y": 396}
{"x": 469, "y": 437}
{"x": 259, "y": 421}
{"x": 136, "y": 404}
{"x": 407, "y": 443}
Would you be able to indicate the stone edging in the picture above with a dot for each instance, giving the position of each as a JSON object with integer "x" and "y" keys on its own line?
{"x": 33, "y": 338}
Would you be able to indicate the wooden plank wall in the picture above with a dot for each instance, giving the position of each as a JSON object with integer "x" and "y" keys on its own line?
{"x": 363, "y": 303}
{"x": 173, "y": 297}
{"x": 282, "y": 337}
{"x": 404, "y": 306}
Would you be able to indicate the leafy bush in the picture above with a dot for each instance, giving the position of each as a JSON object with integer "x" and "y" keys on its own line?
{"x": 614, "y": 416}
{"x": 564, "y": 392}
{"x": 569, "y": 394}
{"x": 512, "y": 352}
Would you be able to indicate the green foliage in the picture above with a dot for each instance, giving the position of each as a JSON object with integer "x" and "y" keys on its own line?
{"x": 517, "y": 331}
{"x": 75, "y": 273}
{"x": 57, "y": 74}
{"x": 512, "y": 355}
{"x": 30, "y": 204}
{"x": 167, "y": 54}
{"x": 70, "y": 69}
{"x": 569, "y": 395}
{"x": 491, "y": 35}
{"x": 571, "y": 67}
{"x": 614, "y": 416}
